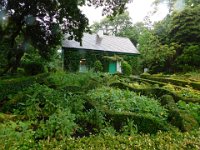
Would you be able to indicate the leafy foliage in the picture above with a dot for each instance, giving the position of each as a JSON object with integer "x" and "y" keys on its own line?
{"x": 113, "y": 25}
{"x": 185, "y": 26}
{"x": 175, "y": 140}
{"x": 126, "y": 68}
{"x": 118, "y": 100}
{"x": 193, "y": 109}
{"x": 98, "y": 66}
{"x": 133, "y": 32}
{"x": 189, "y": 59}
{"x": 59, "y": 125}
{"x": 155, "y": 56}
{"x": 52, "y": 113}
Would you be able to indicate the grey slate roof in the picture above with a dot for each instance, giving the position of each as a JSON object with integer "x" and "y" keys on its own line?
{"x": 104, "y": 43}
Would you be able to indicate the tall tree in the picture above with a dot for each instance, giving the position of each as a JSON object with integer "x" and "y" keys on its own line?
{"x": 133, "y": 32}
{"x": 41, "y": 23}
{"x": 185, "y": 30}
{"x": 155, "y": 55}
{"x": 185, "y": 26}
{"x": 113, "y": 25}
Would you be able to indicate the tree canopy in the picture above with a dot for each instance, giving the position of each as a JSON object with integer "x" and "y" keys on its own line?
{"x": 180, "y": 32}
{"x": 171, "y": 44}
{"x": 113, "y": 25}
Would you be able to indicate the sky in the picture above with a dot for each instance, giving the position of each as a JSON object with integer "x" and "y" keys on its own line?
{"x": 138, "y": 9}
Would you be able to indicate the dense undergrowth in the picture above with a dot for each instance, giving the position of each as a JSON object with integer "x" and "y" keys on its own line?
{"x": 85, "y": 111}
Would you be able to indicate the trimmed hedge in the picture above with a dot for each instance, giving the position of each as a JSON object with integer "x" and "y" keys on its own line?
{"x": 160, "y": 141}
{"x": 168, "y": 102}
{"x": 157, "y": 92}
{"x": 12, "y": 86}
{"x": 183, "y": 120}
{"x": 145, "y": 123}
{"x": 195, "y": 85}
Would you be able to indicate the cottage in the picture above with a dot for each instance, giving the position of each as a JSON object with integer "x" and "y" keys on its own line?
{"x": 96, "y": 48}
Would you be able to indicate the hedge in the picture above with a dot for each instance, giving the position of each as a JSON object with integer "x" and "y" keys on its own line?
{"x": 12, "y": 86}
{"x": 195, "y": 85}
{"x": 160, "y": 141}
{"x": 157, "y": 92}
{"x": 182, "y": 120}
{"x": 146, "y": 123}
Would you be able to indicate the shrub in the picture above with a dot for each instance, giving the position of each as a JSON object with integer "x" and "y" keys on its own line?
{"x": 182, "y": 120}
{"x": 119, "y": 106}
{"x": 10, "y": 87}
{"x": 50, "y": 110}
{"x": 168, "y": 102}
{"x": 61, "y": 80}
{"x": 145, "y": 123}
{"x": 39, "y": 102}
{"x": 59, "y": 125}
{"x": 160, "y": 141}
{"x": 124, "y": 100}
{"x": 17, "y": 135}
{"x": 126, "y": 68}
{"x": 191, "y": 108}
{"x": 98, "y": 67}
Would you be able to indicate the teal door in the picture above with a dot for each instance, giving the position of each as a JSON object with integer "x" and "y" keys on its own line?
{"x": 112, "y": 67}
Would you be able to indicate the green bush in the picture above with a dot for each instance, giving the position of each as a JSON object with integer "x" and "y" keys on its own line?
{"x": 61, "y": 80}
{"x": 10, "y": 87}
{"x": 39, "y": 101}
{"x": 191, "y": 108}
{"x": 145, "y": 123}
{"x": 124, "y": 100}
{"x": 119, "y": 106}
{"x": 17, "y": 135}
{"x": 190, "y": 58}
{"x": 98, "y": 67}
{"x": 178, "y": 82}
{"x": 60, "y": 124}
{"x": 50, "y": 110}
{"x": 183, "y": 120}
{"x": 160, "y": 141}
{"x": 168, "y": 102}
{"x": 126, "y": 68}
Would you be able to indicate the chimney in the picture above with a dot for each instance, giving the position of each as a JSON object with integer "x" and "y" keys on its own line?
{"x": 99, "y": 37}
